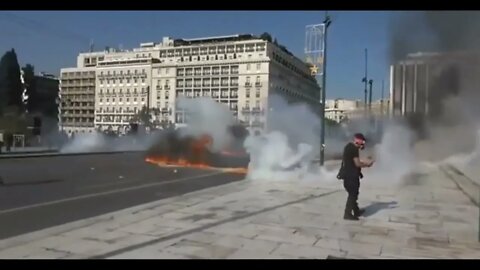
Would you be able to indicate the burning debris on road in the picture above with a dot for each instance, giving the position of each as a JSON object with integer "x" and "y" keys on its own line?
{"x": 178, "y": 148}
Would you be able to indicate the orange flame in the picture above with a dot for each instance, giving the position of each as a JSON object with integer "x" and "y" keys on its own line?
{"x": 165, "y": 162}
{"x": 199, "y": 148}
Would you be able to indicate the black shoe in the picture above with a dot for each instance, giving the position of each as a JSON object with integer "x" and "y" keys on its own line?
{"x": 350, "y": 217}
{"x": 360, "y": 213}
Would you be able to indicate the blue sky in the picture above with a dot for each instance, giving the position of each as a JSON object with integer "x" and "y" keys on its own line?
{"x": 51, "y": 40}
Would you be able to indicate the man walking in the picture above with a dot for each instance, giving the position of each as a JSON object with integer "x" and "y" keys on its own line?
{"x": 351, "y": 174}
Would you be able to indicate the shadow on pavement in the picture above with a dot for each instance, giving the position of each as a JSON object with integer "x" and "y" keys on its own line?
{"x": 375, "y": 207}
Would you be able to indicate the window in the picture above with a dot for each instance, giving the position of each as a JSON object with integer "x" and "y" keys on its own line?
{"x": 135, "y": 79}
{"x": 121, "y": 72}
{"x": 135, "y": 100}
{"x": 128, "y": 80}
{"x": 167, "y": 70}
{"x": 143, "y": 80}
{"x": 128, "y": 100}
{"x": 259, "y": 65}
{"x": 120, "y": 99}
{"x": 248, "y": 66}
{"x": 143, "y": 99}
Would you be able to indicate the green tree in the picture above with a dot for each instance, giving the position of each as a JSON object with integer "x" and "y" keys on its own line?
{"x": 10, "y": 84}
{"x": 144, "y": 116}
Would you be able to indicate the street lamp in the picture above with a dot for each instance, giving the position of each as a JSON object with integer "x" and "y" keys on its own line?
{"x": 326, "y": 24}
{"x": 370, "y": 83}
{"x": 365, "y": 79}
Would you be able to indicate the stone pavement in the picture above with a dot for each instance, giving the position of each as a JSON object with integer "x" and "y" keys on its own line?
{"x": 428, "y": 217}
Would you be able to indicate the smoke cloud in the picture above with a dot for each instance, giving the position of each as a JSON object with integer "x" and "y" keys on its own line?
{"x": 451, "y": 126}
{"x": 206, "y": 116}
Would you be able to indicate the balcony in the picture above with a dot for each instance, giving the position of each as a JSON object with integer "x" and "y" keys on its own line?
{"x": 167, "y": 87}
{"x": 246, "y": 109}
{"x": 258, "y": 84}
{"x": 247, "y": 84}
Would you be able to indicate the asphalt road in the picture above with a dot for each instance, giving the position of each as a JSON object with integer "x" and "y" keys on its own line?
{"x": 41, "y": 192}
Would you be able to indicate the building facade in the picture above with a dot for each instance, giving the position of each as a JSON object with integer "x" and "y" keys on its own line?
{"x": 240, "y": 71}
{"x": 77, "y": 90}
{"x": 338, "y": 109}
{"x": 421, "y": 83}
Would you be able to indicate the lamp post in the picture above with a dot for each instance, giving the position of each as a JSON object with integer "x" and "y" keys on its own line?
{"x": 326, "y": 24}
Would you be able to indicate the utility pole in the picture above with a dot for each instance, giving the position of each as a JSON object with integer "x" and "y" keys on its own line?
{"x": 370, "y": 83}
{"x": 326, "y": 24}
{"x": 365, "y": 79}
{"x": 381, "y": 101}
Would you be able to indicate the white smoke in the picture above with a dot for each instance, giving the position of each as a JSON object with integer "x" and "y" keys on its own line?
{"x": 84, "y": 143}
{"x": 206, "y": 116}
{"x": 99, "y": 142}
{"x": 289, "y": 151}
{"x": 394, "y": 157}
{"x": 286, "y": 151}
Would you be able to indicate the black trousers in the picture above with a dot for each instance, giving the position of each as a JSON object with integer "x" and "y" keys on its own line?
{"x": 352, "y": 186}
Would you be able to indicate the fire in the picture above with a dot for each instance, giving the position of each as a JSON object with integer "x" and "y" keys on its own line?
{"x": 165, "y": 162}
{"x": 195, "y": 152}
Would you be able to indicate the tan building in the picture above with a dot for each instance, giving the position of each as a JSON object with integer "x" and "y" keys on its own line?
{"x": 240, "y": 71}
{"x": 77, "y": 90}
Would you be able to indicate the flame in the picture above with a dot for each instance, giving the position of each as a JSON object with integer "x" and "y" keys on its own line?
{"x": 198, "y": 151}
{"x": 165, "y": 162}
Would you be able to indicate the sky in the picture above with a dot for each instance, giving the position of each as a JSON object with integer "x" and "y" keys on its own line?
{"x": 51, "y": 40}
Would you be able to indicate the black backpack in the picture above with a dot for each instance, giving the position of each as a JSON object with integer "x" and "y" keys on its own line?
{"x": 341, "y": 172}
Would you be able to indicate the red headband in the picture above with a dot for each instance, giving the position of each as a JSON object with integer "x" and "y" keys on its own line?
{"x": 358, "y": 140}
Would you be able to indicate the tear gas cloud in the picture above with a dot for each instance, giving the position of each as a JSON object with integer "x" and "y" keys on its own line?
{"x": 206, "y": 116}
{"x": 452, "y": 124}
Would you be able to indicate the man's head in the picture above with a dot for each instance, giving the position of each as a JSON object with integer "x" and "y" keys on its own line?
{"x": 359, "y": 140}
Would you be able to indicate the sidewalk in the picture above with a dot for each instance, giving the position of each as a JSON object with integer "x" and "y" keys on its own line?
{"x": 428, "y": 218}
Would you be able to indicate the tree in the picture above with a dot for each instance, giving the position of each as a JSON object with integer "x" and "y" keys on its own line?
{"x": 10, "y": 84}
{"x": 31, "y": 86}
{"x": 144, "y": 116}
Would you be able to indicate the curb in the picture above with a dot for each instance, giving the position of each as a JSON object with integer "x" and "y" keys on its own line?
{"x": 467, "y": 185}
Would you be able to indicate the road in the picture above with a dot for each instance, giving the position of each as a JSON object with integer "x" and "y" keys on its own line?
{"x": 41, "y": 192}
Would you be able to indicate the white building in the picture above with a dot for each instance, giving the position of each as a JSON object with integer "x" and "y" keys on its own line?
{"x": 240, "y": 71}
{"x": 338, "y": 109}
{"x": 77, "y": 91}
